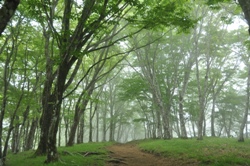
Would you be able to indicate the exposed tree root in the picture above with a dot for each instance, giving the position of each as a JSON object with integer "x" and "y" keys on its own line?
{"x": 84, "y": 154}
{"x": 117, "y": 161}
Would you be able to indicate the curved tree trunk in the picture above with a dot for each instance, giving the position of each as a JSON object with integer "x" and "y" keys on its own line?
{"x": 245, "y": 6}
{"x": 6, "y": 12}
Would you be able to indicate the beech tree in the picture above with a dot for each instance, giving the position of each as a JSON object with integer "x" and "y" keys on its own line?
{"x": 79, "y": 32}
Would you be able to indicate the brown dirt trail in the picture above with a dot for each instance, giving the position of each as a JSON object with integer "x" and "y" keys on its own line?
{"x": 130, "y": 155}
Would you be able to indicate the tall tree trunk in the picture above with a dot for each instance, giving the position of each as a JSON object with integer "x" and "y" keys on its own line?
{"x": 244, "y": 120}
{"x": 202, "y": 92}
{"x": 59, "y": 133}
{"x": 91, "y": 117}
{"x": 201, "y": 104}
{"x": 181, "y": 116}
{"x": 111, "y": 126}
{"x": 158, "y": 129}
{"x": 104, "y": 123}
{"x": 212, "y": 115}
{"x": 204, "y": 126}
{"x": 182, "y": 93}
{"x": 30, "y": 140}
{"x": 52, "y": 154}
{"x": 79, "y": 110}
{"x": 91, "y": 123}
{"x": 80, "y": 133}
{"x": 15, "y": 138}
{"x": 48, "y": 99}
{"x": 97, "y": 126}
{"x": 67, "y": 121}
{"x": 193, "y": 127}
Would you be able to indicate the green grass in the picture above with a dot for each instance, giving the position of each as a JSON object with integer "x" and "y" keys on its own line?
{"x": 210, "y": 151}
{"x": 69, "y": 156}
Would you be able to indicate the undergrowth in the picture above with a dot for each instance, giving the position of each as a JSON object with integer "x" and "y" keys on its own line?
{"x": 210, "y": 151}
{"x": 87, "y": 154}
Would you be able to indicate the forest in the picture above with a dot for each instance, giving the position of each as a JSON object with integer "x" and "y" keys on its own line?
{"x": 78, "y": 71}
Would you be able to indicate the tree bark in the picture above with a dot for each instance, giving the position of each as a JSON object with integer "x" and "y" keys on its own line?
{"x": 6, "y": 12}
{"x": 104, "y": 122}
{"x": 90, "y": 122}
{"x": 48, "y": 99}
{"x": 30, "y": 140}
{"x": 79, "y": 110}
{"x": 52, "y": 154}
{"x": 245, "y": 6}
{"x": 244, "y": 120}
{"x": 80, "y": 133}
{"x": 97, "y": 126}
{"x": 181, "y": 116}
{"x": 212, "y": 115}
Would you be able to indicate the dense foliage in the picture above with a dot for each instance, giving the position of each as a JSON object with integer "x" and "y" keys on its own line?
{"x": 119, "y": 70}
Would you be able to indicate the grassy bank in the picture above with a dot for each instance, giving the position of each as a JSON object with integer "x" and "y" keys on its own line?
{"x": 88, "y": 154}
{"x": 210, "y": 151}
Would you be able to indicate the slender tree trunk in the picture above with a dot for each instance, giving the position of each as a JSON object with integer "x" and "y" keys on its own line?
{"x": 118, "y": 133}
{"x": 204, "y": 126}
{"x": 15, "y": 140}
{"x": 201, "y": 105}
{"x": 79, "y": 110}
{"x": 97, "y": 126}
{"x": 181, "y": 116}
{"x": 182, "y": 92}
{"x": 67, "y": 121}
{"x": 111, "y": 126}
{"x": 158, "y": 124}
{"x": 59, "y": 133}
{"x": 30, "y": 140}
{"x": 93, "y": 110}
{"x": 212, "y": 116}
{"x": 90, "y": 123}
{"x": 81, "y": 130}
{"x": 246, "y": 131}
{"x": 193, "y": 127}
{"x": 202, "y": 91}
{"x": 178, "y": 132}
{"x": 26, "y": 132}
{"x": 104, "y": 123}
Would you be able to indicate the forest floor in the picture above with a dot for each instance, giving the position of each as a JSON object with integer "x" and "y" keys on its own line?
{"x": 129, "y": 154}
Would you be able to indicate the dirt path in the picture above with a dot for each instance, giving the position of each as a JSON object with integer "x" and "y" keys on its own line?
{"x": 130, "y": 155}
